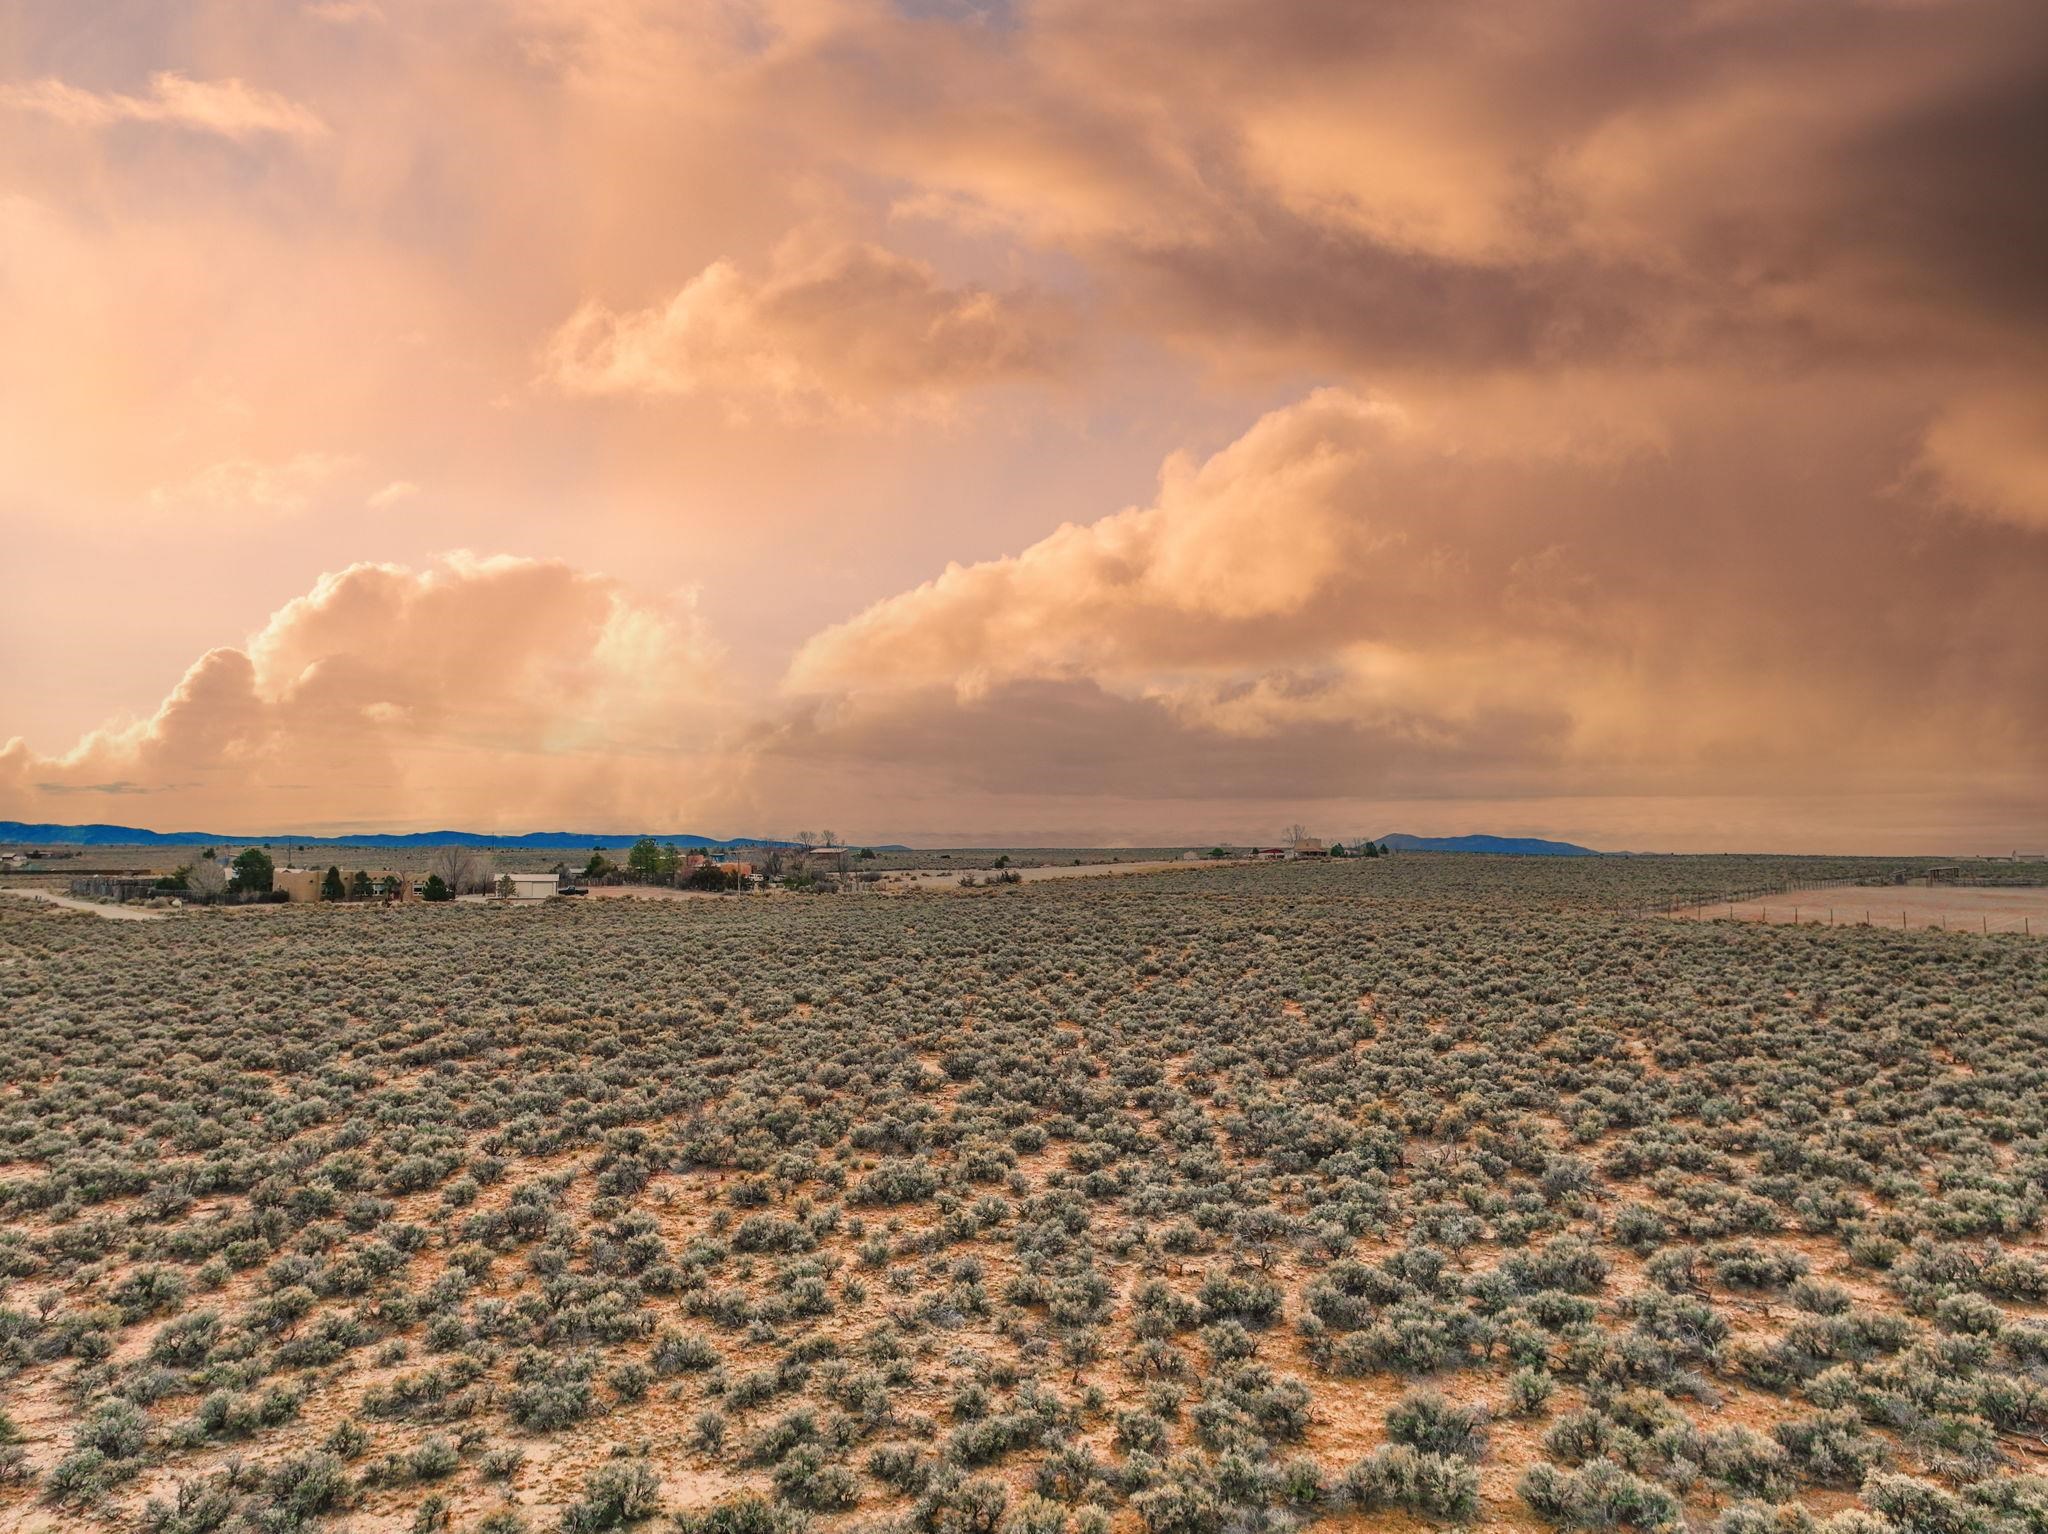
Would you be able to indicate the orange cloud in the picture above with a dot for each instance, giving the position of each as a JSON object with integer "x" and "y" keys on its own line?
{"x": 230, "y": 108}
{"x": 1354, "y": 598}
{"x": 502, "y": 691}
{"x": 854, "y": 324}
{"x": 1988, "y": 453}
{"x": 1682, "y": 443}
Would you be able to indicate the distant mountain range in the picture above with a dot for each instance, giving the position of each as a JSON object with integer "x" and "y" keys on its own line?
{"x": 20, "y": 832}
{"x": 1513, "y": 846}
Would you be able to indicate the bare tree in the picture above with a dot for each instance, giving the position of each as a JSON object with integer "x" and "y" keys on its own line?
{"x": 808, "y": 839}
{"x": 832, "y": 838}
{"x": 206, "y": 879}
{"x": 465, "y": 870}
{"x": 1294, "y": 833}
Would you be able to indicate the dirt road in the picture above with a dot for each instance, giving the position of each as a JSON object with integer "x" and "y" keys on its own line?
{"x": 73, "y": 903}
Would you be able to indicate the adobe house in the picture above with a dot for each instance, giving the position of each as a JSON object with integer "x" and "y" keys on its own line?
{"x": 303, "y": 884}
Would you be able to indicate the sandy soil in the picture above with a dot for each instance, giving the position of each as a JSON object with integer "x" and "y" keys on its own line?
{"x": 1959, "y": 908}
{"x": 72, "y": 903}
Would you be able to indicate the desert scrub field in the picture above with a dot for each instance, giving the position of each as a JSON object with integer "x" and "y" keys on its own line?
{"x": 1419, "y": 1192}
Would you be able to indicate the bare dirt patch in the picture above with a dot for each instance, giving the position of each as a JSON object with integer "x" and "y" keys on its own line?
{"x": 1910, "y": 907}
{"x": 92, "y": 907}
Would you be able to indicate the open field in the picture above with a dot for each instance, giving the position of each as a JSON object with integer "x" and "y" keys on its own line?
{"x": 1425, "y": 1192}
{"x": 1940, "y": 906}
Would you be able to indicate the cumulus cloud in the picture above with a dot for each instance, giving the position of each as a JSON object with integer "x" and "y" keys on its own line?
{"x": 493, "y": 691}
{"x": 231, "y": 108}
{"x": 854, "y": 324}
{"x": 1358, "y": 600}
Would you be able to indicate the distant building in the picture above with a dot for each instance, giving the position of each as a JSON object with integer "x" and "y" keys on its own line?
{"x": 524, "y": 887}
{"x": 1309, "y": 847}
{"x": 297, "y": 884}
{"x": 302, "y": 885}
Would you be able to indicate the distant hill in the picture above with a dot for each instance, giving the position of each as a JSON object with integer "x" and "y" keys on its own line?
{"x": 1513, "y": 846}
{"x": 20, "y": 832}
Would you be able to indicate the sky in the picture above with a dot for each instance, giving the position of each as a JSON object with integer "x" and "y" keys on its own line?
{"x": 1030, "y": 423}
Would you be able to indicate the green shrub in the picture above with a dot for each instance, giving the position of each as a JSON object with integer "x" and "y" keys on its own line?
{"x": 1601, "y": 1495}
{"x": 1425, "y": 1420}
{"x": 748, "y": 1513}
{"x": 1397, "y": 1476}
{"x": 617, "y": 1493}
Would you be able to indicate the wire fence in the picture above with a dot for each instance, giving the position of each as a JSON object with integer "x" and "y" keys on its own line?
{"x": 1803, "y": 903}
{"x": 1686, "y": 903}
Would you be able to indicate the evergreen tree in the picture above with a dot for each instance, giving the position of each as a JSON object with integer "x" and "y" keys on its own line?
{"x": 644, "y": 861}
{"x": 254, "y": 872}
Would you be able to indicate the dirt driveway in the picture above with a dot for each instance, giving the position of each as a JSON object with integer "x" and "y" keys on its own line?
{"x": 73, "y": 903}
